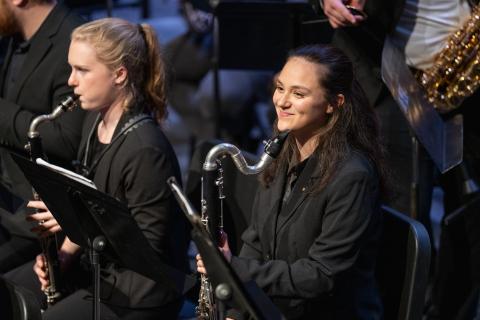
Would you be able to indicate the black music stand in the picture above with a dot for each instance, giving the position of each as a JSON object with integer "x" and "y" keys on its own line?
{"x": 257, "y": 35}
{"x": 227, "y": 287}
{"x": 103, "y": 225}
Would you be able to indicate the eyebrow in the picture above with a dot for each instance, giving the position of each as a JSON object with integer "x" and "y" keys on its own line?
{"x": 77, "y": 66}
{"x": 295, "y": 87}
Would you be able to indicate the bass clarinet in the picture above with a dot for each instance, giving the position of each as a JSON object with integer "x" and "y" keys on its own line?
{"x": 48, "y": 243}
{"x": 212, "y": 209}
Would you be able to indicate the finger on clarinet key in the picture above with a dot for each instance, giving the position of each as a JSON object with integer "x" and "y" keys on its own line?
{"x": 37, "y": 205}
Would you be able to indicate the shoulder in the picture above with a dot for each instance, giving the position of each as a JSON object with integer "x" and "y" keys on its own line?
{"x": 356, "y": 162}
{"x": 148, "y": 134}
{"x": 356, "y": 167}
{"x": 71, "y": 21}
{"x": 60, "y": 23}
{"x": 148, "y": 138}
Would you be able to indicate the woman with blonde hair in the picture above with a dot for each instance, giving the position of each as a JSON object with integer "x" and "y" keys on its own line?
{"x": 118, "y": 75}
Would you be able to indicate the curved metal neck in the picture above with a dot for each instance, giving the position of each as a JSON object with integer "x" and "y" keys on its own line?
{"x": 66, "y": 105}
{"x": 271, "y": 151}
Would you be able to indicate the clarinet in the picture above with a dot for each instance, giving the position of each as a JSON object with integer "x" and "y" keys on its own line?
{"x": 212, "y": 209}
{"x": 48, "y": 243}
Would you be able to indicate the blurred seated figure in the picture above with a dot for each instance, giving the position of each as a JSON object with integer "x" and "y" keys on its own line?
{"x": 192, "y": 84}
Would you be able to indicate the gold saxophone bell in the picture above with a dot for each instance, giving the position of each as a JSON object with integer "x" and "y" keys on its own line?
{"x": 455, "y": 74}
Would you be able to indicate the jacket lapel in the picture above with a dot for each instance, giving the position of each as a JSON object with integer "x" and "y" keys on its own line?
{"x": 34, "y": 57}
{"x": 275, "y": 193}
{"x": 3, "y": 71}
{"x": 299, "y": 192}
{"x": 102, "y": 170}
{"x": 39, "y": 48}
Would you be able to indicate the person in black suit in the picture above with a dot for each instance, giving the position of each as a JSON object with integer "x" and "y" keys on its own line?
{"x": 33, "y": 80}
{"x": 420, "y": 30}
{"x": 312, "y": 241}
{"x": 118, "y": 74}
{"x": 192, "y": 89}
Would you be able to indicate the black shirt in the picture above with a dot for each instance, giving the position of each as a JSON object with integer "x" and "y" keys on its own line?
{"x": 292, "y": 176}
{"x": 20, "y": 51}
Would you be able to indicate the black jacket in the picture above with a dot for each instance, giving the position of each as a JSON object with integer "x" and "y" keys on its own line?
{"x": 315, "y": 258}
{"x": 134, "y": 170}
{"x": 41, "y": 85}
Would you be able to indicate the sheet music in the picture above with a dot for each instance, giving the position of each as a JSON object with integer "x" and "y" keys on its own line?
{"x": 67, "y": 173}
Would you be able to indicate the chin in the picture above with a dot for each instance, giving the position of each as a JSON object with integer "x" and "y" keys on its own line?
{"x": 86, "y": 106}
{"x": 283, "y": 126}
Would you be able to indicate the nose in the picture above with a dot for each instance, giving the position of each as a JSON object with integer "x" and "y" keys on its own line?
{"x": 72, "y": 80}
{"x": 282, "y": 100}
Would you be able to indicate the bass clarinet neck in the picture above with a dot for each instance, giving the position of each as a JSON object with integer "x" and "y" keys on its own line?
{"x": 65, "y": 105}
{"x": 271, "y": 151}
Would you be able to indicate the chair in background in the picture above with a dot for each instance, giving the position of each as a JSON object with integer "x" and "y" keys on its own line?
{"x": 404, "y": 253}
{"x": 403, "y": 266}
{"x": 17, "y": 303}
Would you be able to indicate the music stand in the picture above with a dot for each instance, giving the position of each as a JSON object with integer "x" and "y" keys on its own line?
{"x": 227, "y": 287}
{"x": 97, "y": 221}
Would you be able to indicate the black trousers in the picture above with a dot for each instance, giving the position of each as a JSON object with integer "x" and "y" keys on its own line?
{"x": 17, "y": 244}
{"x": 78, "y": 302}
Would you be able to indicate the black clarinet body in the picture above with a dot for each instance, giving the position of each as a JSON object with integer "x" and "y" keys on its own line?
{"x": 212, "y": 177}
{"x": 213, "y": 196}
{"x": 49, "y": 243}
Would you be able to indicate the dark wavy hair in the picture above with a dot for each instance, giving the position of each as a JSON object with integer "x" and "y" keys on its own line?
{"x": 351, "y": 126}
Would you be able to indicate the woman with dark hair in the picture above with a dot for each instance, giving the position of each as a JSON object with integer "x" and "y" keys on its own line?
{"x": 312, "y": 241}
{"x": 119, "y": 77}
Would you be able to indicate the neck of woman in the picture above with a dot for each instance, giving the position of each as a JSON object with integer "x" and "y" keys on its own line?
{"x": 110, "y": 118}
{"x": 306, "y": 146}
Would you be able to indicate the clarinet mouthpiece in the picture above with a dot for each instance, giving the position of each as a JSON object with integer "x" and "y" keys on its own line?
{"x": 274, "y": 146}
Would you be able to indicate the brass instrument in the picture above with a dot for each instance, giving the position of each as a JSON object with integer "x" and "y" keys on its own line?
{"x": 212, "y": 210}
{"x": 48, "y": 243}
{"x": 455, "y": 74}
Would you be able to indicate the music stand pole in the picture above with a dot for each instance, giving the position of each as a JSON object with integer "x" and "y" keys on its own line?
{"x": 414, "y": 185}
{"x": 216, "y": 76}
{"x": 95, "y": 250}
{"x": 109, "y": 5}
{"x": 223, "y": 293}
{"x": 228, "y": 288}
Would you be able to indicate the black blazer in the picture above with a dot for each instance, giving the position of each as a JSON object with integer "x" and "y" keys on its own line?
{"x": 41, "y": 85}
{"x": 315, "y": 257}
{"x": 134, "y": 169}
